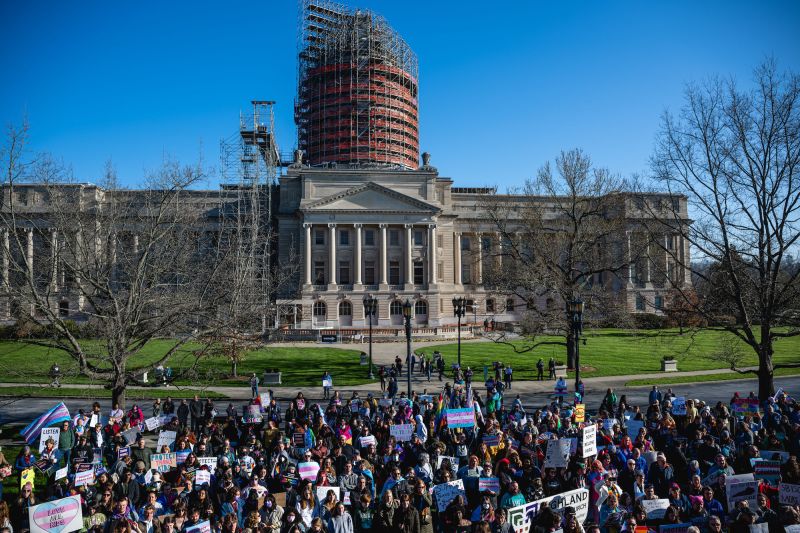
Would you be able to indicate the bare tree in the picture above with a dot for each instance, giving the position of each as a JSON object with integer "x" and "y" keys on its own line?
{"x": 160, "y": 262}
{"x": 735, "y": 154}
{"x": 563, "y": 241}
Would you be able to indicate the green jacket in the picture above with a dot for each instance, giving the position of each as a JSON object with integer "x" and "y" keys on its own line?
{"x": 66, "y": 440}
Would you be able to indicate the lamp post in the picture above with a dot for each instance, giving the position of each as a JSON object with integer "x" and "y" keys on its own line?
{"x": 459, "y": 308}
{"x": 575, "y": 316}
{"x": 407, "y": 317}
{"x": 370, "y": 309}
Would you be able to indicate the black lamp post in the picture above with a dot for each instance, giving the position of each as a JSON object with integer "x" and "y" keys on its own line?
{"x": 460, "y": 309}
{"x": 575, "y": 316}
{"x": 407, "y": 317}
{"x": 370, "y": 310}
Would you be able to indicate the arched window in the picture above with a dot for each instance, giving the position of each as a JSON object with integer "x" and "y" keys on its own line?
{"x": 345, "y": 309}
{"x": 396, "y": 308}
{"x": 319, "y": 309}
{"x": 421, "y": 307}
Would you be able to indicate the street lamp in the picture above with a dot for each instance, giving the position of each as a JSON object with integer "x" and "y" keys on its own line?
{"x": 407, "y": 317}
{"x": 575, "y": 316}
{"x": 460, "y": 309}
{"x": 370, "y": 310}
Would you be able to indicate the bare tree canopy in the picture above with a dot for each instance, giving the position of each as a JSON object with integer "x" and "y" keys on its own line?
{"x": 735, "y": 154}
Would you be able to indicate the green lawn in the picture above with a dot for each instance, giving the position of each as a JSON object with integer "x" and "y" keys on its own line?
{"x": 22, "y": 362}
{"x": 613, "y": 352}
{"x": 728, "y": 376}
{"x": 93, "y": 393}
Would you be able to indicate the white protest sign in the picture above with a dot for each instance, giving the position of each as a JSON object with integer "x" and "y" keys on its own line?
{"x": 152, "y": 423}
{"x": 655, "y": 509}
{"x": 520, "y": 518}
{"x": 202, "y": 477}
{"x": 166, "y": 438}
{"x": 589, "y": 440}
{"x": 130, "y": 435}
{"x": 447, "y": 492}
{"x": 789, "y": 494}
{"x": 94, "y": 420}
{"x": 61, "y": 473}
{"x": 210, "y": 462}
{"x": 327, "y": 382}
{"x": 84, "y": 478}
{"x": 366, "y": 441}
{"x": 557, "y": 454}
{"x": 401, "y": 432}
{"x": 322, "y": 493}
{"x": 49, "y": 433}
{"x": 608, "y": 423}
{"x": 679, "y": 406}
{"x": 61, "y": 516}
{"x": 453, "y": 463}
{"x": 742, "y": 491}
{"x": 200, "y": 527}
{"x": 265, "y": 399}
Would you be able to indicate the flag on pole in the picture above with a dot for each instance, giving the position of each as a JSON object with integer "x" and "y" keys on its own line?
{"x": 57, "y": 414}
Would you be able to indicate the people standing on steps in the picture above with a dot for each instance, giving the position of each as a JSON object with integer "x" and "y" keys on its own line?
{"x": 540, "y": 370}
{"x": 254, "y": 385}
{"x": 552, "y": 366}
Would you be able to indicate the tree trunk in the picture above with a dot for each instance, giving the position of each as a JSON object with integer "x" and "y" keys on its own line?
{"x": 234, "y": 369}
{"x": 118, "y": 393}
{"x": 570, "y": 352}
{"x": 766, "y": 386}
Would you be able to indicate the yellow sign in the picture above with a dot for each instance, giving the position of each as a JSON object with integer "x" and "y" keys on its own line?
{"x": 580, "y": 413}
{"x": 27, "y": 476}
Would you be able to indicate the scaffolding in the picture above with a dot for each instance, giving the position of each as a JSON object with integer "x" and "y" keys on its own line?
{"x": 250, "y": 165}
{"x": 357, "y": 94}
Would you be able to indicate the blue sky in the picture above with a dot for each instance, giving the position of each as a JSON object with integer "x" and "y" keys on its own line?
{"x": 503, "y": 86}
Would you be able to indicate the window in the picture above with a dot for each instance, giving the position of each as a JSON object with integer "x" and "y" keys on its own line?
{"x": 319, "y": 237}
{"x": 345, "y": 309}
{"x": 466, "y": 273}
{"x": 394, "y": 237}
{"x": 509, "y": 305}
{"x": 490, "y": 305}
{"x": 419, "y": 237}
{"x": 419, "y": 273}
{"x": 396, "y": 308}
{"x": 421, "y": 307}
{"x": 659, "y": 302}
{"x": 486, "y": 244}
{"x": 469, "y": 306}
{"x": 439, "y": 241}
{"x": 320, "y": 310}
{"x": 394, "y": 272}
{"x": 344, "y": 272}
{"x": 369, "y": 237}
{"x": 465, "y": 243}
{"x": 440, "y": 270}
{"x": 344, "y": 237}
{"x": 319, "y": 272}
{"x": 639, "y": 302}
{"x": 63, "y": 308}
{"x": 369, "y": 272}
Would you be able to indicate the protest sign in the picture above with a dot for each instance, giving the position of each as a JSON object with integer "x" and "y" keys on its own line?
{"x": 181, "y": 455}
{"x": 774, "y": 455}
{"x": 557, "y": 454}
{"x": 123, "y": 452}
{"x": 84, "y": 478}
{"x": 166, "y": 438}
{"x": 60, "y": 516}
{"x": 650, "y": 457}
{"x": 769, "y": 471}
{"x": 679, "y": 406}
{"x": 48, "y": 433}
{"x": 522, "y": 517}
{"x": 61, "y": 473}
{"x": 83, "y": 467}
{"x": 366, "y": 441}
{"x": 655, "y": 509}
{"x": 453, "y": 463}
{"x": 42, "y": 465}
{"x": 589, "y": 440}
{"x": 489, "y": 483}
{"x": 745, "y": 406}
{"x": 402, "y": 432}
{"x": 789, "y": 494}
{"x": 491, "y": 440}
{"x": 94, "y": 420}
{"x": 744, "y": 491}
{"x": 385, "y": 402}
{"x": 447, "y": 492}
{"x": 163, "y": 420}
{"x": 580, "y": 413}
{"x": 327, "y": 382}
{"x": 252, "y": 415}
{"x": 461, "y": 418}
{"x": 322, "y": 493}
{"x": 200, "y": 527}
{"x": 163, "y": 462}
{"x": 299, "y": 439}
{"x": 608, "y": 423}
{"x": 573, "y": 445}
{"x": 202, "y": 477}
{"x": 794, "y": 528}
{"x": 633, "y": 427}
{"x": 308, "y": 470}
{"x": 27, "y": 476}
{"x": 130, "y": 435}
{"x": 673, "y": 528}
{"x": 210, "y": 462}
{"x": 425, "y": 398}
{"x": 264, "y": 397}
{"x": 98, "y": 456}
{"x": 152, "y": 423}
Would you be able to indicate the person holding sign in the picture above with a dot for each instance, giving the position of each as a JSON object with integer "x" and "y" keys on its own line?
{"x": 327, "y": 385}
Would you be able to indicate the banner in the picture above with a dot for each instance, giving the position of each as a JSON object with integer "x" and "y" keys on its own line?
{"x": 163, "y": 462}
{"x": 61, "y": 516}
{"x": 401, "y": 432}
{"x": 308, "y": 470}
{"x": 522, "y": 517}
{"x": 48, "y": 433}
{"x": 84, "y": 478}
{"x": 489, "y": 483}
{"x": 461, "y": 418}
{"x": 745, "y": 406}
{"x": 580, "y": 413}
{"x": 789, "y": 494}
{"x": 589, "y": 440}
{"x": 557, "y": 454}
{"x": 447, "y": 492}
{"x": 655, "y": 509}
{"x": 166, "y": 438}
{"x": 679, "y": 406}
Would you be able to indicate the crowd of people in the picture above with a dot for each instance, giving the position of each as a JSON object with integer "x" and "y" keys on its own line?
{"x": 343, "y": 465}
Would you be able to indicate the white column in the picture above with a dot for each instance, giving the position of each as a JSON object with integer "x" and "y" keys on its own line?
{"x": 54, "y": 259}
{"x": 332, "y": 256}
{"x": 307, "y": 227}
{"x": 357, "y": 257}
{"x": 409, "y": 256}
{"x": 384, "y": 259}
{"x": 479, "y": 244}
{"x": 647, "y": 262}
{"x": 432, "y": 266}
{"x": 29, "y": 254}
{"x": 628, "y": 257}
{"x": 457, "y": 257}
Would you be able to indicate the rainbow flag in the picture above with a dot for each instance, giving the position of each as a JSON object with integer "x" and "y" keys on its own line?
{"x": 57, "y": 414}
{"x": 440, "y": 418}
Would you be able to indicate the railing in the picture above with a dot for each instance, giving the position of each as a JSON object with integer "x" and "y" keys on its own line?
{"x": 345, "y": 287}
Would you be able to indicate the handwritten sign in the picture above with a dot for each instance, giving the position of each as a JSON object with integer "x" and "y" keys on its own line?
{"x": 523, "y": 516}
{"x": 130, "y": 435}
{"x": 608, "y": 423}
{"x": 27, "y": 476}
{"x": 264, "y": 397}
{"x": 447, "y": 492}
{"x": 60, "y": 516}
{"x": 327, "y": 382}
{"x": 210, "y": 462}
{"x": 202, "y": 477}
{"x": 166, "y": 438}
{"x": 48, "y": 433}
{"x": 489, "y": 483}
{"x": 580, "y": 413}
{"x": 152, "y": 423}
{"x": 655, "y": 509}
{"x": 744, "y": 491}
{"x": 589, "y": 440}
{"x": 557, "y": 454}
{"x": 84, "y": 478}
{"x": 461, "y": 418}
{"x": 401, "y": 432}
{"x": 789, "y": 494}
{"x": 163, "y": 462}
{"x": 61, "y": 473}
{"x": 308, "y": 470}
{"x": 366, "y": 441}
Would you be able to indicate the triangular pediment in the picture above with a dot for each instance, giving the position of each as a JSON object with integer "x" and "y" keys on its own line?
{"x": 371, "y": 197}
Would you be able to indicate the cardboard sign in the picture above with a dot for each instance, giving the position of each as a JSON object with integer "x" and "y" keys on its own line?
{"x": 48, "y": 433}
{"x": 59, "y": 516}
{"x": 489, "y": 483}
{"x": 166, "y": 438}
{"x": 401, "y": 432}
{"x": 308, "y": 470}
{"x": 366, "y": 441}
{"x": 163, "y": 462}
{"x": 322, "y": 493}
{"x": 580, "y": 413}
{"x": 461, "y": 418}
{"x": 557, "y": 454}
{"x": 447, "y": 492}
{"x": 210, "y": 462}
{"x": 201, "y": 477}
{"x": 788, "y": 494}
{"x": 745, "y": 406}
{"x": 84, "y": 478}
{"x": 152, "y": 423}
{"x": 589, "y": 440}
{"x": 522, "y": 517}
{"x": 679, "y": 406}
{"x": 200, "y": 527}
{"x": 655, "y": 509}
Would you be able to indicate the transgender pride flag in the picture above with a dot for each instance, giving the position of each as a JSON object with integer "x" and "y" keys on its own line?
{"x": 57, "y": 414}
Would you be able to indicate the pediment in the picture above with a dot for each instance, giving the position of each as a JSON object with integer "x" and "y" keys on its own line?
{"x": 371, "y": 197}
